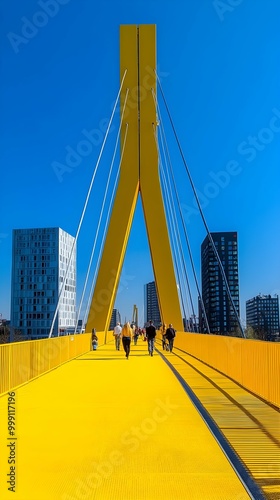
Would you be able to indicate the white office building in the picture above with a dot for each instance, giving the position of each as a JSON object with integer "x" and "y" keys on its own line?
{"x": 41, "y": 258}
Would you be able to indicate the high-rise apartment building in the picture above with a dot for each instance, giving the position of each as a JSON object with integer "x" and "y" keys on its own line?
{"x": 151, "y": 306}
{"x": 115, "y": 318}
{"x": 41, "y": 258}
{"x": 262, "y": 314}
{"x": 219, "y": 311}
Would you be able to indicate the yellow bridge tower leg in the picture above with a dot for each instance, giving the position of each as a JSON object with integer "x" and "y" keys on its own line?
{"x": 139, "y": 173}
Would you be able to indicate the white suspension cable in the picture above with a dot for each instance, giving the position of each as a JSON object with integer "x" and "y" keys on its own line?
{"x": 182, "y": 258}
{"x": 85, "y": 206}
{"x": 165, "y": 147}
{"x": 177, "y": 226}
{"x": 105, "y": 230}
{"x": 102, "y": 209}
{"x": 173, "y": 232}
{"x": 202, "y": 214}
{"x": 178, "y": 260}
{"x": 169, "y": 190}
{"x": 177, "y": 247}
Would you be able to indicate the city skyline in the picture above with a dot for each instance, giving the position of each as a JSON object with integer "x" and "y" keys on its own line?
{"x": 44, "y": 231}
{"x": 222, "y": 89}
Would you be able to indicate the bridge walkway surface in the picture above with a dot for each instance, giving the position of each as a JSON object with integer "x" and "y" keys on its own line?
{"x": 103, "y": 427}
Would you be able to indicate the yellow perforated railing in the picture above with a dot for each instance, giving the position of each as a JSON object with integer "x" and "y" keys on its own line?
{"x": 23, "y": 361}
{"x": 252, "y": 363}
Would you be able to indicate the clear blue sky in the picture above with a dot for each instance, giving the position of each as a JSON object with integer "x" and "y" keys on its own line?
{"x": 222, "y": 82}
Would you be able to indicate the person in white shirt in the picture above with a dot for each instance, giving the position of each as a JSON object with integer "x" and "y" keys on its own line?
{"x": 117, "y": 335}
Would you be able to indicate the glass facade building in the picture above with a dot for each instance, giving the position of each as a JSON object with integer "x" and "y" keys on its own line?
{"x": 262, "y": 314}
{"x": 152, "y": 311}
{"x": 40, "y": 260}
{"x": 219, "y": 311}
{"x": 115, "y": 318}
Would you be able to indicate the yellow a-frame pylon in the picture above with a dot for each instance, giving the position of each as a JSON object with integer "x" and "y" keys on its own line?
{"x": 139, "y": 174}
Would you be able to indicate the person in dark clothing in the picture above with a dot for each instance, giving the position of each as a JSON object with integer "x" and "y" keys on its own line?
{"x": 126, "y": 338}
{"x": 151, "y": 334}
{"x": 170, "y": 334}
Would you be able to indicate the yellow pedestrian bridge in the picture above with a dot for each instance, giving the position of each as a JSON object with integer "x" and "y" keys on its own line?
{"x": 201, "y": 422}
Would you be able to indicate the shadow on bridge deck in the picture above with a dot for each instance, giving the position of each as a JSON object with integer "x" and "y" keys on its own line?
{"x": 104, "y": 427}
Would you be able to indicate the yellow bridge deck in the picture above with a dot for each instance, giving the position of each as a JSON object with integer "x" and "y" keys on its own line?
{"x": 103, "y": 427}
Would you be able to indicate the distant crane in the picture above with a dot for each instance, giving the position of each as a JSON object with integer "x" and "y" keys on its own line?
{"x": 135, "y": 316}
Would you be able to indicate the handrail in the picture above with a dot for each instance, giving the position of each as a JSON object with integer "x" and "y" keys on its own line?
{"x": 26, "y": 360}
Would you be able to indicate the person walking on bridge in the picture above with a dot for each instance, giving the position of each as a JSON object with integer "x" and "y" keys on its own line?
{"x": 117, "y": 335}
{"x": 170, "y": 335}
{"x": 151, "y": 334}
{"x": 126, "y": 338}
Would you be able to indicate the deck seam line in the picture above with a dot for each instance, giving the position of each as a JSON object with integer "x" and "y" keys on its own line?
{"x": 248, "y": 482}
{"x": 248, "y": 414}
